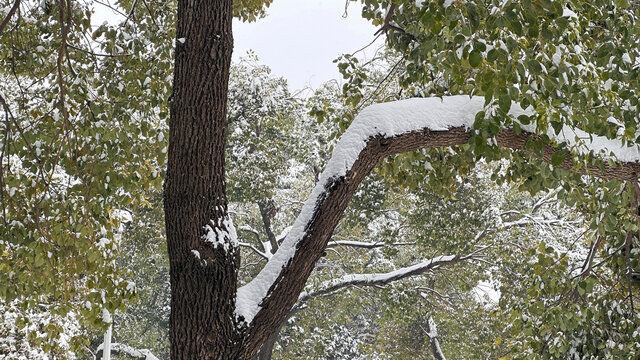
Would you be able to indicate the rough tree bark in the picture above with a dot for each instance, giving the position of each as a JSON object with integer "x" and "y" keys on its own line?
{"x": 203, "y": 274}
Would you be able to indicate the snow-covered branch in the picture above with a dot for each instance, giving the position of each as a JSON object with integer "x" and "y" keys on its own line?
{"x": 380, "y": 279}
{"x": 264, "y": 255}
{"x": 248, "y": 228}
{"x": 379, "y": 131}
{"x": 524, "y": 220}
{"x": 432, "y": 333}
{"x": 283, "y": 234}
{"x": 549, "y": 197}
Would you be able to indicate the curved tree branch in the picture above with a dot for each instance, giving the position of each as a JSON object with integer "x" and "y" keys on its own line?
{"x": 381, "y": 279}
{"x": 385, "y": 278}
{"x": 379, "y": 131}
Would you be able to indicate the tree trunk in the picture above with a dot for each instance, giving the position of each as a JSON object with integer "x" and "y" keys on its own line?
{"x": 267, "y": 212}
{"x": 203, "y": 268}
{"x": 266, "y": 351}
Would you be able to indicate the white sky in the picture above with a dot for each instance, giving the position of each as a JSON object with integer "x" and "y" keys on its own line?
{"x": 299, "y": 39}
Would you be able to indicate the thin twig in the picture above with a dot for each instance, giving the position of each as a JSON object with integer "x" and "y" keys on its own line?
{"x": 366, "y": 46}
{"x": 153, "y": 18}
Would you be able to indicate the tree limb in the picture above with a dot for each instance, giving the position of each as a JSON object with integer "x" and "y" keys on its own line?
{"x": 432, "y": 333}
{"x": 275, "y": 290}
{"x": 5, "y": 21}
{"x": 255, "y": 250}
{"x": 380, "y": 279}
{"x": 388, "y": 26}
{"x": 267, "y": 212}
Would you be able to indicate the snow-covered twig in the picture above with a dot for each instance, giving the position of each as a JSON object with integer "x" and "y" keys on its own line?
{"x": 438, "y": 294}
{"x": 264, "y": 255}
{"x": 251, "y": 230}
{"x": 544, "y": 200}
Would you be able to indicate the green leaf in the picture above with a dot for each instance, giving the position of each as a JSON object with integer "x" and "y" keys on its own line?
{"x": 557, "y": 126}
{"x": 505, "y": 103}
{"x": 474, "y": 17}
{"x": 623, "y": 4}
{"x": 534, "y": 66}
{"x": 524, "y": 119}
{"x": 516, "y": 128}
{"x": 475, "y": 58}
{"x": 558, "y": 157}
{"x": 492, "y": 55}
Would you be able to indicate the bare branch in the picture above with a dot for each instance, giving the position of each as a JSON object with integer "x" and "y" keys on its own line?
{"x": 267, "y": 212}
{"x": 5, "y": 21}
{"x": 388, "y": 26}
{"x": 96, "y": 54}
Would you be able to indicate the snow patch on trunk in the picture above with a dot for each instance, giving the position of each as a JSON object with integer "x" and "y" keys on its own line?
{"x": 214, "y": 234}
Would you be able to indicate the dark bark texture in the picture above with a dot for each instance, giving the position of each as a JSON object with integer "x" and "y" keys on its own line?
{"x": 203, "y": 277}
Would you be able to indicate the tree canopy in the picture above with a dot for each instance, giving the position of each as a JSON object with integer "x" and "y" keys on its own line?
{"x": 90, "y": 121}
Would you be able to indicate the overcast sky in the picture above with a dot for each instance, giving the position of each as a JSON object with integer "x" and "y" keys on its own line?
{"x": 299, "y": 39}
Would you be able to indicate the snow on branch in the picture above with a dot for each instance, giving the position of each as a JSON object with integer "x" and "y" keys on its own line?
{"x": 380, "y": 279}
{"x": 117, "y": 349}
{"x": 424, "y": 266}
{"x": 386, "y": 120}
{"x": 432, "y": 333}
{"x": 264, "y": 255}
{"x": 283, "y": 234}
{"x": 378, "y": 131}
{"x": 251, "y": 230}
